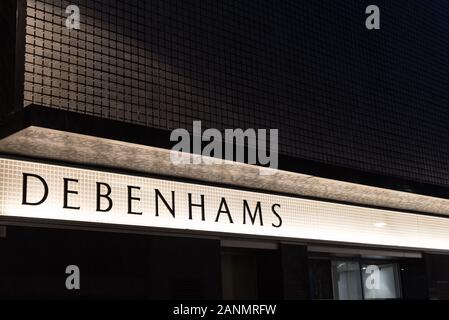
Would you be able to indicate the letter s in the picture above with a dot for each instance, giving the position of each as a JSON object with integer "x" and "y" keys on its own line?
{"x": 273, "y": 209}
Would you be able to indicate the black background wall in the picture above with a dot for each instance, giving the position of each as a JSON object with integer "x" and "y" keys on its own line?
{"x": 438, "y": 276}
{"x": 7, "y": 56}
{"x": 122, "y": 266}
{"x": 415, "y": 279}
{"x": 340, "y": 94}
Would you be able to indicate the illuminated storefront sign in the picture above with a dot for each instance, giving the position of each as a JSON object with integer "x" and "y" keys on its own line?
{"x": 42, "y": 191}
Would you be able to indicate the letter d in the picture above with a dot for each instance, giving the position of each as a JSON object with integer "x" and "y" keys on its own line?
{"x": 25, "y": 189}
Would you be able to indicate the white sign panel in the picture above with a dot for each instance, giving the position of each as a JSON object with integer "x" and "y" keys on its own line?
{"x": 35, "y": 190}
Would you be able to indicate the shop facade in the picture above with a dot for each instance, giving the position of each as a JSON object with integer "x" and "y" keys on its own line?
{"x": 357, "y": 207}
{"x": 143, "y": 236}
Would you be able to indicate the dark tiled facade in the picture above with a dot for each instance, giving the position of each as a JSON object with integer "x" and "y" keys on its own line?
{"x": 375, "y": 101}
{"x": 351, "y": 101}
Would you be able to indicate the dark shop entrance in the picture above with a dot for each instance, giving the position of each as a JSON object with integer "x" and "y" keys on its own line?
{"x": 35, "y": 261}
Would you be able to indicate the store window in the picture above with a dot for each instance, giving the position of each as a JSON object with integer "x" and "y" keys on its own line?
{"x": 346, "y": 280}
{"x": 380, "y": 281}
{"x": 354, "y": 280}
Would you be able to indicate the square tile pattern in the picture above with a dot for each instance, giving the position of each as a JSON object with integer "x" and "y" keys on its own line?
{"x": 340, "y": 94}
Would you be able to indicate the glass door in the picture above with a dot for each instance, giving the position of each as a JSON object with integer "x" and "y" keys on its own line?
{"x": 381, "y": 280}
{"x": 369, "y": 280}
{"x": 346, "y": 280}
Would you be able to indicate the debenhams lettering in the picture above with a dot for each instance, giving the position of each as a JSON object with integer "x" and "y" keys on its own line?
{"x": 251, "y": 213}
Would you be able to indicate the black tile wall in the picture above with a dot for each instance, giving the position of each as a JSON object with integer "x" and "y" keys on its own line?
{"x": 7, "y": 56}
{"x": 377, "y": 101}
